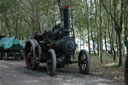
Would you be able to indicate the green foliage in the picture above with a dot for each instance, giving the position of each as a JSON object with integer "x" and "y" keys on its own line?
{"x": 21, "y": 18}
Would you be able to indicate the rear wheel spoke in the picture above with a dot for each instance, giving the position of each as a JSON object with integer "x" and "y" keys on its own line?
{"x": 32, "y": 54}
{"x": 83, "y": 62}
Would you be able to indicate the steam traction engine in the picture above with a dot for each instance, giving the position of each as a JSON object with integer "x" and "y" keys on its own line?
{"x": 55, "y": 48}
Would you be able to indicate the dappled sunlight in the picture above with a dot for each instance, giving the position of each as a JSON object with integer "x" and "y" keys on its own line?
{"x": 67, "y": 84}
{"x": 14, "y": 75}
{"x": 63, "y": 76}
{"x": 108, "y": 69}
{"x": 32, "y": 81}
{"x": 101, "y": 80}
{"x": 103, "y": 84}
{"x": 110, "y": 64}
{"x": 4, "y": 66}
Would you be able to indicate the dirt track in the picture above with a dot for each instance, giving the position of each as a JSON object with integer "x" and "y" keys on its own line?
{"x": 15, "y": 73}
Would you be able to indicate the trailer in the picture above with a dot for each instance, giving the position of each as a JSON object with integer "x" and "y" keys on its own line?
{"x": 11, "y": 47}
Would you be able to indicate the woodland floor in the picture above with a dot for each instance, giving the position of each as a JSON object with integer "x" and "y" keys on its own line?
{"x": 14, "y": 72}
{"x": 108, "y": 69}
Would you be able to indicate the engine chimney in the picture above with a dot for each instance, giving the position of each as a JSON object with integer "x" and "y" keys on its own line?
{"x": 66, "y": 18}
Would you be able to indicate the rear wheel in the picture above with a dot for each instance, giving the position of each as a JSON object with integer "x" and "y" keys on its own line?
{"x": 0, "y": 55}
{"x": 84, "y": 62}
{"x": 51, "y": 62}
{"x": 31, "y": 54}
{"x": 22, "y": 57}
{"x": 5, "y": 56}
{"x": 19, "y": 57}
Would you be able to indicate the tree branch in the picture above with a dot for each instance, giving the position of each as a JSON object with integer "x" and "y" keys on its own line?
{"x": 111, "y": 16}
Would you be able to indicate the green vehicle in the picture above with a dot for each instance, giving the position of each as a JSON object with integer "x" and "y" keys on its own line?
{"x": 11, "y": 47}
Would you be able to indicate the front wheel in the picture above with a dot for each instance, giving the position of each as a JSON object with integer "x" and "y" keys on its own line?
{"x": 84, "y": 62}
{"x": 51, "y": 62}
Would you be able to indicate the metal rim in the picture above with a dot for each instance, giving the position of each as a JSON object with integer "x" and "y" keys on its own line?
{"x": 31, "y": 52}
{"x": 51, "y": 62}
{"x": 29, "y": 55}
{"x": 84, "y": 62}
{"x": 37, "y": 51}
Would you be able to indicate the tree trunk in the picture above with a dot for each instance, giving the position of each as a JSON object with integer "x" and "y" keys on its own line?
{"x": 126, "y": 29}
{"x": 105, "y": 37}
{"x": 93, "y": 42}
{"x": 96, "y": 25}
{"x": 112, "y": 43}
{"x": 72, "y": 22}
{"x": 119, "y": 34}
{"x": 120, "y": 49}
{"x": 117, "y": 44}
{"x": 88, "y": 26}
{"x": 118, "y": 28}
{"x": 100, "y": 37}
